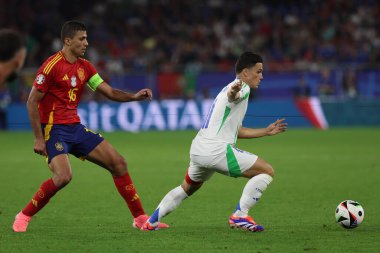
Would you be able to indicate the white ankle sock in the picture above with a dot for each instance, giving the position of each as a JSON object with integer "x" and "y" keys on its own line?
{"x": 168, "y": 204}
{"x": 252, "y": 193}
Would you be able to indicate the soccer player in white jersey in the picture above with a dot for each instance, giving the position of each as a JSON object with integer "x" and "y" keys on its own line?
{"x": 213, "y": 149}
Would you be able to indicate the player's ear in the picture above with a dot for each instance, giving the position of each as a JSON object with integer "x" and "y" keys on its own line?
{"x": 67, "y": 41}
{"x": 245, "y": 72}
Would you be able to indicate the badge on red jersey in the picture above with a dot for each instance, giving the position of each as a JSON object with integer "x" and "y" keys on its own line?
{"x": 40, "y": 79}
{"x": 81, "y": 74}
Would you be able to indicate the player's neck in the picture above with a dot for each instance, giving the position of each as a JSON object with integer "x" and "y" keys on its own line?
{"x": 69, "y": 56}
{"x": 241, "y": 78}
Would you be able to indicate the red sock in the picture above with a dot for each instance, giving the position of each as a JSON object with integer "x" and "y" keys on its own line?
{"x": 41, "y": 198}
{"x": 127, "y": 190}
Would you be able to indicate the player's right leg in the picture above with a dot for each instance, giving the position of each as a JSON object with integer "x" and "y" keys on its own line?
{"x": 172, "y": 200}
{"x": 61, "y": 169}
{"x": 168, "y": 204}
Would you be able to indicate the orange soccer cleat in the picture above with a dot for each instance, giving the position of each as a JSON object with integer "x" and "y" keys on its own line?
{"x": 21, "y": 222}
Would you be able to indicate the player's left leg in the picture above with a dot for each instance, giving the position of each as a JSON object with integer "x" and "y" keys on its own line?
{"x": 261, "y": 175}
{"x": 107, "y": 157}
{"x": 239, "y": 163}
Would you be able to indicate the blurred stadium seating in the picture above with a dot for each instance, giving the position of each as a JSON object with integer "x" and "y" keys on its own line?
{"x": 136, "y": 43}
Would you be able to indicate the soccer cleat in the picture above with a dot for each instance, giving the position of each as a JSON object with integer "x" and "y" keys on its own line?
{"x": 138, "y": 222}
{"x": 244, "y": 223}
{"x": 149, "y": 227}
{"x": 21, "y": 222}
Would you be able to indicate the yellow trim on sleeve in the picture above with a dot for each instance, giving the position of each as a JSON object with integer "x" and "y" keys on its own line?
{"x": 51, "y": 64}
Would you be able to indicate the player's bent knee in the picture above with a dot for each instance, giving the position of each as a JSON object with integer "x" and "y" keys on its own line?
{"x": 121, "y": 163}
{"x": 119, "y": 166}
{"x": 269, "y": 170}
{"x": 191, "y": 188}
{"x": 260, "y": 167}
{"x": 62, "y": 180}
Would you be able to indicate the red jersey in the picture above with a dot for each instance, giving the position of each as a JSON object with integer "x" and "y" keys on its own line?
{"x": 63, "y": 83}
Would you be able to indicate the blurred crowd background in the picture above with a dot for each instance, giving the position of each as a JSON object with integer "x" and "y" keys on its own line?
{"x": 142, "y": 35}
{"x": 168, "y": 45}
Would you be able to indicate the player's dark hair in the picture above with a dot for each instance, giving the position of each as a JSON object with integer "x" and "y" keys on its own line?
{"x": 70, "y": 28}
{"x": 247, "y": 60}
{"x": 10, "y": 42}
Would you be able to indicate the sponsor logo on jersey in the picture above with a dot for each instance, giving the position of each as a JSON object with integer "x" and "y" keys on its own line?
{"x": 65, "y": 78}
{"x": 59, "y": 146}
{"x": 40, "y": 79}
{"x": 73, "y": 81}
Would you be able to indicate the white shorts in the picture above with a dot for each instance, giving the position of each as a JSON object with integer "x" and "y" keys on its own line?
{"x": 232, "y": 163}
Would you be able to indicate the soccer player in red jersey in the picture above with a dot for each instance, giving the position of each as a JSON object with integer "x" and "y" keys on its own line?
{"x": 52, "y": 107}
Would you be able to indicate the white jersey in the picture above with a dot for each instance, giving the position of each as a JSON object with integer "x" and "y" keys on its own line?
{"x": 222, "y": 123}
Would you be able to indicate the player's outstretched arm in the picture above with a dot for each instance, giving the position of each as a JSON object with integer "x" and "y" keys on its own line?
{"x": 123, "y": 96}
{"x": 276, "y": 127}
{"x": 233, "y": 91}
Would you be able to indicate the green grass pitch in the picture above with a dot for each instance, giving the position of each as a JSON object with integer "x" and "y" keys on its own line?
{"x": 315, "y": 170}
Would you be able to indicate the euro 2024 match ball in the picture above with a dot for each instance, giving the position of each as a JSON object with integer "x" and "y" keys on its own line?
{"x": 349, "y": 214}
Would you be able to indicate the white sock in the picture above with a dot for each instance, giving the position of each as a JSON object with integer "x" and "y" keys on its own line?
{"x": 252, "y": 193}
{"x": 168, "y": 204}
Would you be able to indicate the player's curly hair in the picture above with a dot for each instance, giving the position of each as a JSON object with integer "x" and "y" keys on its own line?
{"x": 247, "y": 60}
{"x": 70, "y": 28}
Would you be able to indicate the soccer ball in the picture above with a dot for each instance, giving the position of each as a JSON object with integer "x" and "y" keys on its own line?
{"x": 349, "y": 214}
